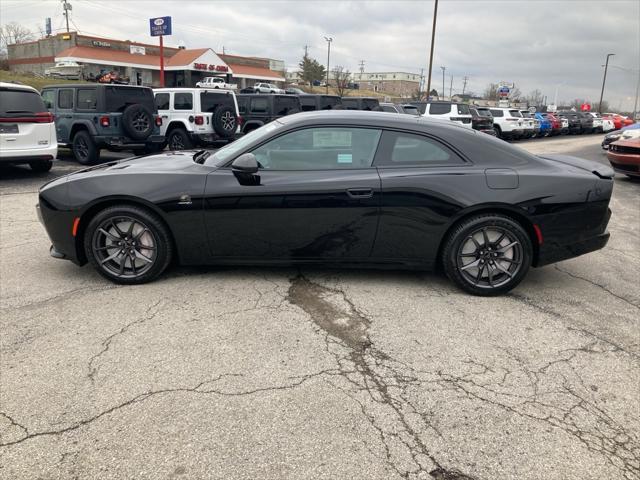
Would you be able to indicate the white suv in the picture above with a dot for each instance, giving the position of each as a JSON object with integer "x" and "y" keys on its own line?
{"x": 27, "y": 129}
{"x": 195, "y": 116}
{"x": 455, "y": 112}
{"x": 267, "y": 88}
{"x": 598, "y": 122}
{"x": 507, "y": 122}
{"x": 215, "y": 82}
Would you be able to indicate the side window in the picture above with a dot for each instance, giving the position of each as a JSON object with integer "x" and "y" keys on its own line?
{"x": 162, "y": 101}
{"x": 388, "y": 108}
{"x": 408, "y": 149}
{"x": 259, "y": 105}
{"x": 323, "y": 148}
{"x": 497, "y": 113}
{"x": 65, "y": 99}
{"x": 49, "y": 97}
{"x": 284, "y": 105}
{"x": 87, "y": 98}
{"x": 183, "y": 101}
{"x": 350, "y": 104}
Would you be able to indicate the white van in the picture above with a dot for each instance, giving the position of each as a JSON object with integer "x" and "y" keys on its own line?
{"x": 27, "y": 129}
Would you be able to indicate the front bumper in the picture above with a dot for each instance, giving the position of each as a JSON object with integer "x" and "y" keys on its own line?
{"x": 59, "y": 227}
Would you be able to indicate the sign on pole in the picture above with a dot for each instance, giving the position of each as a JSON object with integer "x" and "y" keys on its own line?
{"x": 160, "y": 26}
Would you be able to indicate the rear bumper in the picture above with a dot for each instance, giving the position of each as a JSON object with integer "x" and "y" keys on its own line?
{"x": 565, "y": 252}
{"x": 28, "y": 155}
{"x": 206, "y": 138}
{"x": 125, "y": 142}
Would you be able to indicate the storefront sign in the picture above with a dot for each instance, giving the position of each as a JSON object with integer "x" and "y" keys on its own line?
{"x": 137, "y": 50}
{"x": 160, "y": 26}
{"x": 98, "y": 43}
{"x": 211, "y": 68}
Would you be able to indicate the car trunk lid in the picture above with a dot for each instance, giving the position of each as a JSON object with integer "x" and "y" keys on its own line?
{"x": 597, "y": 168}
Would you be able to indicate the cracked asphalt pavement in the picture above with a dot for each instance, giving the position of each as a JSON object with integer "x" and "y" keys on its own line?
{"x": 248, "y": 373}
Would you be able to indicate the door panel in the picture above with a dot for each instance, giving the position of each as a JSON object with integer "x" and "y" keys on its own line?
{"x": 293, "y": 215}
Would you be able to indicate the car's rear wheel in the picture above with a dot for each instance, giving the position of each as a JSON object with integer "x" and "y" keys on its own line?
{"x": 487, "y": 254}
{"x": 498, "y": 131}
{"x": 179, "y": 140}
{"x": 128, "y": 244}
{"x": 84, "y": 148}
{"x": 41, "y": 166}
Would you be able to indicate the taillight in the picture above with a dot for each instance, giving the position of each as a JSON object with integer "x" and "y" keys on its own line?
{"x": 199, "y": 120}
{"x": 240, "y": 120}
{"x": 158, "y": 121}
{"x": 105, "y": 121}
{"x": 40, "y": 117}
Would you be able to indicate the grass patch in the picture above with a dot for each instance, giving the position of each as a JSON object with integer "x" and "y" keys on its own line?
{"x": 36, "y": 82}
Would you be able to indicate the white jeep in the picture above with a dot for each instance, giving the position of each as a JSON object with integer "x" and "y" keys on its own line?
{"x": 215, "y": 82}
{"x": 197, "y": 117}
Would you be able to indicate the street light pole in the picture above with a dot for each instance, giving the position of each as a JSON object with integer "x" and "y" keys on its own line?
{"x": 604, "y": 79}
{"x": 443, "y": 70}
{"x": 433, "y": 39}
{"x": 329, "y": 40}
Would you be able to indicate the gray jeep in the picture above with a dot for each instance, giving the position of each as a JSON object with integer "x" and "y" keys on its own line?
{"x": 114, "y": 117}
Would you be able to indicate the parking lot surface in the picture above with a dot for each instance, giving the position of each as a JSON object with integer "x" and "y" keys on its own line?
{"x": 249, "y": 373}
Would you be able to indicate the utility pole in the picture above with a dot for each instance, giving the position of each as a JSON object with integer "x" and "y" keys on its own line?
{"x": 450, "y": 87}
{"x": 329, "y": 40}
{"x": 421, "y": 84}
{"x": 306, "y": 50}
{"x": 604, "y": 79}
{"x": 433, "y": 39}
{"x": 443, "y": 70}
{"x": 66, "y": 8}
{"x": 464, "y": 84}
{"x": 361, "y": 66}
{"x": 635, "y": 104}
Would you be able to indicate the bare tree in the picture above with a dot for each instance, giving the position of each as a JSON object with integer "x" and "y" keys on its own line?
{"x": 535, "y": 97}
{"x": 491, "y": 92}
{"x": 341, "y": 77}
{"x": 13, "y": 32}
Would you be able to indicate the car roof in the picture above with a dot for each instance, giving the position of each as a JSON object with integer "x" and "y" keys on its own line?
{"x": 17, "y": 86}
{"x": 368, "y": 118}
{"x": 89, "y": 85}
{"x": 195, "y": 89}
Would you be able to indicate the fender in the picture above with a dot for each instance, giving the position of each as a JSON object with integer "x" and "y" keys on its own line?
{"x": 85, "y": 124}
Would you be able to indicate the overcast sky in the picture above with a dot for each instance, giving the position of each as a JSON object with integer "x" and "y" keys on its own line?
{"x": 535, "y": 43}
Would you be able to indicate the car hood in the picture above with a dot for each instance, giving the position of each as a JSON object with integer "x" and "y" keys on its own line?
{"x": 597, "y": 168}
{"x": 165, "y": 162}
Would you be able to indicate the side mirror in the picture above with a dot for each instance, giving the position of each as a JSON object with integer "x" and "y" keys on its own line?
{"x": 245, "y": 168}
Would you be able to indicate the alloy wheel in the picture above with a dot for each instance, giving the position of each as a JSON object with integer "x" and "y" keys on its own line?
{"x": 140, "y": 122}
{"x": 228, "y": 121}
{"x": 124, "y": 246}
{"x": 175, "y": 142}
{"x": 490, "y": 257}
{"x": 82, "y": 148}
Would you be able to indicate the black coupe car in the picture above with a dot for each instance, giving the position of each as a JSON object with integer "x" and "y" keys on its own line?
{"x": 335, "y": 188}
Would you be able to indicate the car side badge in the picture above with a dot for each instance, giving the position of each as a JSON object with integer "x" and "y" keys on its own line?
{"x": 184, "y": 199}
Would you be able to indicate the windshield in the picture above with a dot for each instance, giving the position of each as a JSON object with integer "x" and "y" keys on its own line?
{"x": 227, "y": 152}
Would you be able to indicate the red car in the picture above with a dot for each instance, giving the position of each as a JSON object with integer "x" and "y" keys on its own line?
{"x": 556, "y": 123}
{"x": 624, "y": 156}
{"x": 619, "y": 121}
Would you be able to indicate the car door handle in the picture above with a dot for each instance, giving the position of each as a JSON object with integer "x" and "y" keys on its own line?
{"x": 360, "y": 192}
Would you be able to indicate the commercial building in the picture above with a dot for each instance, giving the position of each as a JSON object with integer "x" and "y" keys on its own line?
{"x": 140, "y": 62}
{"x": 399, "y": 84}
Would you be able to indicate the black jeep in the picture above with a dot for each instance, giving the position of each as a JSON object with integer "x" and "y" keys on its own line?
{"x": 320, "y": 102}
{"x": 257, "y": 110}
{"x": 116, "y": 117}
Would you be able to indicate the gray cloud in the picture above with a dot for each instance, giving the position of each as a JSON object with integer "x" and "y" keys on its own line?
{"x": 534, "y": 43}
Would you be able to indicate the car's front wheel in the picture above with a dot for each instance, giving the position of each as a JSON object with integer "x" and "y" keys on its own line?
{"x": 487, "y": 254}
{"x": 128, "y": 244}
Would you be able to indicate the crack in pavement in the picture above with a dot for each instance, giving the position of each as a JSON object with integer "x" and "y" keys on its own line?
{"x": 619, "y": 297}
{"x": 59, "y": 297}
{"x": 150, "y": 314}
{"x": 197, "y": 389}
{"x": 372, "y": 371}
{"x": 553, "y": 393}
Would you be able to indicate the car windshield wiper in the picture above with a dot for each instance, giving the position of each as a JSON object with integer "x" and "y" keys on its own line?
{"x": 200, "y": 156}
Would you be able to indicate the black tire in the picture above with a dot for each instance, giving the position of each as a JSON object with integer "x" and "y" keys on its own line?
{"x": 487, "y": 254}
{"x": 84, "y": 148}
{"x": 137, "y": 121}
{"x": 41, "y": 166}
{"x": 498, "y": 131}
{"x": 142, "y": 236}
{"x": 225, "y": 122}
{"x": 178, "y": 139}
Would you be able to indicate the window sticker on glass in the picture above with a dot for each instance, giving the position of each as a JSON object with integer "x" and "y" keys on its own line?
{"x": 345, "y": 158}
{"x": 331, "y": 138}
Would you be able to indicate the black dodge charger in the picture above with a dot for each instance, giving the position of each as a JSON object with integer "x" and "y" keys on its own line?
{"x": 335, "y": 188}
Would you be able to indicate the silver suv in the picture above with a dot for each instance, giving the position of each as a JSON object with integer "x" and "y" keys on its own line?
{"x": 267, "y": 88}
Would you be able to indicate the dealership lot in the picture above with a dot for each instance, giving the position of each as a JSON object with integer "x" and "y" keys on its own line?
{"x": 312, "y": 373}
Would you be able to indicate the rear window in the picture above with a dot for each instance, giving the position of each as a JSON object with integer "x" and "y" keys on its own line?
{"x": 440, "y": 108}
{"x": 484, "y": 112}
{"x": 14, "y": 102}
{"x": 119, "y": 98}
{"x": 87, "y": 98}
{"x": 410, "y": 109}
{"x": 463, "y": 109}
{"x": 243, "y": 102}
{"x": 515, "y": 113}
{"x": 497, "y": 113}
{"x": 209, "y": 101}
{"x": 286, "y": 105}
